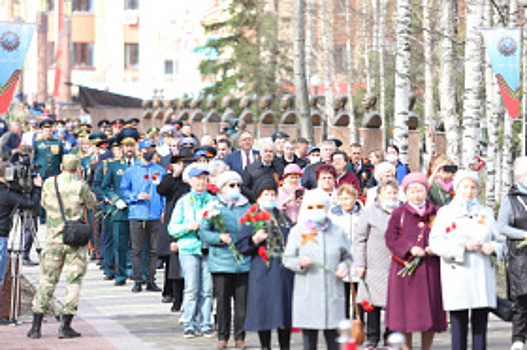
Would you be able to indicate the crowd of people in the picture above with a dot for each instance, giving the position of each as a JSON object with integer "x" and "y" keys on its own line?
{"x": 287, "y": 233}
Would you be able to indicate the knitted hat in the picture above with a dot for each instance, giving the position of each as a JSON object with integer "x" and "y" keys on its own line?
{"x": 464, "y": 174}
{"x": 415, "y": 178}
{"x": 292, "y": 169}
{"x": 226, "y": 177}
{"x": 265, "y": 183}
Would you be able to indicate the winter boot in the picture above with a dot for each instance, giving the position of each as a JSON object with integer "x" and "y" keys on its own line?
{"x": 34, "y": 332}
{"x": 65, "y": 330}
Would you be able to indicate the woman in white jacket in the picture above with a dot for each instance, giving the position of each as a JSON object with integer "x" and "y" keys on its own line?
{"x": 466, "y": 238}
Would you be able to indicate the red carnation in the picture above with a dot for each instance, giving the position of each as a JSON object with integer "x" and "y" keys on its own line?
{"x": 253, "y": 208}
{"x": 146, "y": 177}
{"x": 263, "y": 253}
{"x": 205, "y": 214}
{"x": 448, "y": 230}
{"x": 367, "y": 306}
{"x": 241, "y": 221}
{"x": 453, "y": 226}
{"x": 154, "y": 178}
{"x": 266, "y": 216}
{"x": 246, "y": 217}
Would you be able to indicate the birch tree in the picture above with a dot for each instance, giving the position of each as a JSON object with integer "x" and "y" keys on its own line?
{"x": 366, "y": 38}
{"x": 328, "y": 61}
{"x": 302, "y": 94}
{"x": 402, "y": 78}
{"x": 311, "y": 8}
{"x": 472, "y": 107}
{"x": 429, "y": 77}
{"x": 382, "y": 74}
{"x": 447, "y": 84}
{"x": 349, "y": 65}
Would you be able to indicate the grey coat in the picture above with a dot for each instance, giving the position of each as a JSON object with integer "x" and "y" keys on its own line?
{"x": 318, "y": 295}
{"x": 468, "y": 278}
{"x": 370, "y": 251}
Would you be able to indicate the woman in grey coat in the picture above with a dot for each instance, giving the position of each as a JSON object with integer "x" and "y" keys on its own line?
{"x": 512, "y": 221}
{"x": 465, "y": 236}
{"x": 370, "y": 246}
{"x": 318, "y": 252}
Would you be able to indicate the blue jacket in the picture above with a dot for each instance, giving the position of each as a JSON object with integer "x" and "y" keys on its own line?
{"x": 235, "y": 162}
{"x": 141, "y": 178}
{"x": 401, "y": 171}
{"x": 189, "y": 208}
{"x": 221, "y": 258}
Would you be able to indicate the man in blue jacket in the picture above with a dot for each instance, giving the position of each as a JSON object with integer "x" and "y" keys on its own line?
{"x": 145, "y": 212}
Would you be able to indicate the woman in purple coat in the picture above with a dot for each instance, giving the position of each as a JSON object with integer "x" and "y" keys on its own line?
{"x": 414, "y": 301}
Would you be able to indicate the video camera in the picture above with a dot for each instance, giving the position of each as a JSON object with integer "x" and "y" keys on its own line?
{"x": 20, "y": 175}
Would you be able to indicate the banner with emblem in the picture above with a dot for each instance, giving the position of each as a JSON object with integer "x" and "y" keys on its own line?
{"x": 504, "y": 48}
{"x": 14, "y": 43}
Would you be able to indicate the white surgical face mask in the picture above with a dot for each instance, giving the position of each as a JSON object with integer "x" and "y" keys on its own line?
{"x": 317, "y": 216}
{"x": 233, "y": 193}
{"x": 314, "y": 160}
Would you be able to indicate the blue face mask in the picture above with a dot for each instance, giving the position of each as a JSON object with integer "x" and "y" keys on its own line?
{"x": 199, "y": 194}
{"x": 391, "y": 204}
{"x": 317, "y": 216}
{"x": 268, "y": 205}
{"x": 233, "y": 193}
{"x": 420, "y": 205}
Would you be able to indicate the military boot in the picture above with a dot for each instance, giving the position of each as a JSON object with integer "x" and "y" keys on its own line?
{"x": 65, "y": 330}
{"x": 34, "y": 332}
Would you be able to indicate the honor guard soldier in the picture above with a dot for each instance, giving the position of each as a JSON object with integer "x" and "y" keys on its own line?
{"x": 111, "y": 184}
{"x": 48, "y": 151}
{"x": 132, "y": 123}
{"x": 105, "y": 127}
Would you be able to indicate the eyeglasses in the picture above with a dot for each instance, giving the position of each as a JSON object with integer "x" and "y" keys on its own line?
{"x": 316, "y": 206}
{"x": 235, "y": 185}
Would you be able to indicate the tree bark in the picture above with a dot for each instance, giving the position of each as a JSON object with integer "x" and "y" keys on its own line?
{"x": 302, "y": 93}
{"x": 429, "y": 114}
{"x": 382, "y": 74}
{"x": 402, "y": 79}
{"x": 366, "y": 33}
{"x": 328, "y": 63}
{"x": 472, "y": 110}
{"x": 447, "y": 85}
{"x": 349, "y": 61}
{"x": 311, "y": 8}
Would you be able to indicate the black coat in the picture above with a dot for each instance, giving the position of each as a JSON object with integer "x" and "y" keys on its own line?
{"x": 365, "y": 174}
{"x": 256, "y": 171}
{"x": 173, "y": 189}
{"x": 269, "y": 298}
{"x": 12, "y": 200}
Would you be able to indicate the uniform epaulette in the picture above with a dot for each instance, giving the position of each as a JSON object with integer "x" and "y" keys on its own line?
{"x": 105, "y": 166}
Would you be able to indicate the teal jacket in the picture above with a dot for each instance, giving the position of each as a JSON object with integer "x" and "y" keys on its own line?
{"x": 188, "y": 209}
{"x": 97, "y": 186}
{"x": 221, "y": 258}
{"x": 111, "y": 184}
{"x": 47, "y": 153}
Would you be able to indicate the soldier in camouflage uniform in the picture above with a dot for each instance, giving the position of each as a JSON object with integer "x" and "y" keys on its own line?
{"x": 76, "y": 196}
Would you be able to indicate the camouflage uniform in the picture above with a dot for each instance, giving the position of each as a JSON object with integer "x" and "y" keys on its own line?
{"x": 76, "y": 196}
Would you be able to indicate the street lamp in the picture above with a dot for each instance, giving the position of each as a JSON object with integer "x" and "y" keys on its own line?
{"x": 316, "y": 81}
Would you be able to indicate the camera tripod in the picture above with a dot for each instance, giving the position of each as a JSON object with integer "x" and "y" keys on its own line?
{"x": 24, "y": 220}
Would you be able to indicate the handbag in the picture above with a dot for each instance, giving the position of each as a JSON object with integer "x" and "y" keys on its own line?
{"x": 503, "y": 309}
{"x": 74, "y": 233}
{"x": 357, "y": 327}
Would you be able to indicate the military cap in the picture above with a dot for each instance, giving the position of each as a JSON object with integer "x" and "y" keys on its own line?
{"x": 61, "y": 122}
{"x": 96, "y": 137}
{"x": 105, "y": 143}
{"x": 166, "y": 129}
{"x": 279, "y": 135}
{"x": 127, "y": 136}
{"x": 153, "y": 130}
{"x": 85, "y": 126}
{"x": 46, "y": 123}
{"x": 133, "y": 121}
{"x": 177, "y": 123}
{"x": 337, "y": 142}
{"x": 118, "y": 122}
{"x": 103, "y": 122}
{"x": 83, "y": 132}
{"x": 210, "y": 152}
{"x": 71, "y": 162}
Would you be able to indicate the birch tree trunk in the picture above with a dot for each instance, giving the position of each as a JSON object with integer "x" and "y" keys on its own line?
{"x": 429, "y": 78}
{"x": 508, "y": 131}
{"x": 349, "y": 61}
{"x": 302, "y": 94}
{"x": 311, "y": 8}
{"x": 328, "y": 61}
{"x": 472, "y": 106}
{"x": 447, "y": 84}
{"x": 493, "y": 106}
{"x": 382, "y": 74}
{"x": 366, "y": 38}
{"x": 402, "y": 78}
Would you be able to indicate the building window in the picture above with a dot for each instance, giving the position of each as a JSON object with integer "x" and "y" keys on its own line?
{"x": 51, "y": 54}
{"x": 171, "y": 67}
{"x": 82, "y": 55}
{"x": 81, "y": 5}
{"x": 131, "y": 4}
{"x": 131, "y": 55}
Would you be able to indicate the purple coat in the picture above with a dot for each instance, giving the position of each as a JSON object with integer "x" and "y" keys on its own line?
{"x": 414, "y": 302}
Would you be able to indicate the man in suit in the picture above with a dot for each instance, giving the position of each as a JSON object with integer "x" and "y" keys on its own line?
{"x": 238, "y": 160}
{"x": 309, "y": 180}
{"x": 362, "y": 169}
{"x": 268, "y": 165}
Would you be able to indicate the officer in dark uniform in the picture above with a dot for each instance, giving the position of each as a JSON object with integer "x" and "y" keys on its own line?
{"x": 105, "y": 127}
{"x": 132, "y": 123}
{"x": 117, "y": 126}
{"x": 111, "y": 184}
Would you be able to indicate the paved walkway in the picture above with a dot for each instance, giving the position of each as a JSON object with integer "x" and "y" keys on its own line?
{"x": 113, "y": 317}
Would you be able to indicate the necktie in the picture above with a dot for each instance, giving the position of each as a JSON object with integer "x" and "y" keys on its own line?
{"x": 357, "y": 167}
{"x": 248, "y": 159}
{"x": 129, "y": 162}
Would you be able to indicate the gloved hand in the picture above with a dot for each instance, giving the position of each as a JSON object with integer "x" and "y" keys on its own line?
{"x": 120, "y": 204}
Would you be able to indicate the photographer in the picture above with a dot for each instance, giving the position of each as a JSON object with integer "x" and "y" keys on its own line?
{"x": 12, "y": 200}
